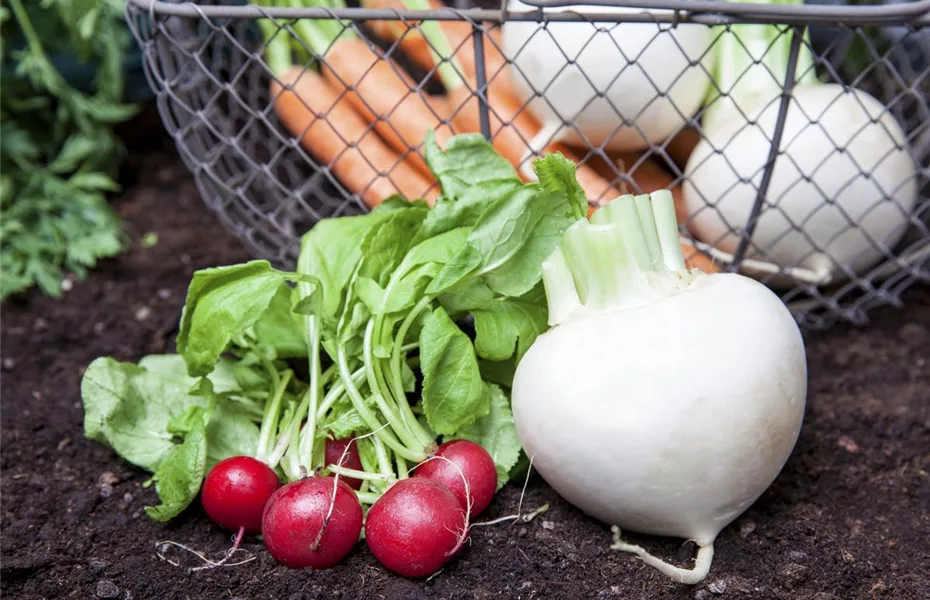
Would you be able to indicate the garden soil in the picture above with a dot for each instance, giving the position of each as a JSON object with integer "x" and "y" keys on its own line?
{"x": 847, "y": 519}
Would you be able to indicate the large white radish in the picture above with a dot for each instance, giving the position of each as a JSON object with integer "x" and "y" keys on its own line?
{"x": 661, "y": 401}
{"x": 621, "y": 86}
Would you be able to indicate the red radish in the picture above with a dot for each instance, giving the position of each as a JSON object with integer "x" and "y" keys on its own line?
{"x": 460, "y": 461}
{"x": 416, "y": 527}
{"x": 235, "y": 492}
{"x": 313, "y": 522}
{"x": 351, "y": 460}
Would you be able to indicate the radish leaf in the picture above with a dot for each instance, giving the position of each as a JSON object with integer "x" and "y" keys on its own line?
{"x": 221, "y": 303}
{"x": 178, "y": 477}
{"x": 454, "y": 394}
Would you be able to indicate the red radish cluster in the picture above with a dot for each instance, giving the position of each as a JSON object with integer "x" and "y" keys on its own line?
{"x": 417, "y": 526}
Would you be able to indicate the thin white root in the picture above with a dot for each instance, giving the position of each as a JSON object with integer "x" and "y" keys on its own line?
{"x": 162, "y": 546}
{"x": 514, "y": 518}
{"x": 702, "y": 561}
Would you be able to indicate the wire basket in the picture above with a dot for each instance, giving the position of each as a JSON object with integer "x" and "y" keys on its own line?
{"x": 865, "y": 240}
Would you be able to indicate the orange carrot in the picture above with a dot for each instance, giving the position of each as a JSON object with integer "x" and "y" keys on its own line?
{"x": 386, "y": 96}
{"x": 338, "y": 136}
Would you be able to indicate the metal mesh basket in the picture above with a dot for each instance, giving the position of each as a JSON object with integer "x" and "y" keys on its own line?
{"x": 830, "y": 262}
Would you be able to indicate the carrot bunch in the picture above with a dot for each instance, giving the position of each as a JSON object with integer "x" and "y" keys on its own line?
{"x": 357, "y": 111}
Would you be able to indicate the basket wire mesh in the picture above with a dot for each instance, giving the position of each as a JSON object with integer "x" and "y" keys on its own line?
{"x": 269, "y": 183}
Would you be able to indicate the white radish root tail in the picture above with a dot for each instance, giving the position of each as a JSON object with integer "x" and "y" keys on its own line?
{"x": 692, "y": 576}
{"x": 526, "y": 518}
{"x": 162, "y": 546}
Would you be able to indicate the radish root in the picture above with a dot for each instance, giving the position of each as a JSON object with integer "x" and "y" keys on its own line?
{"x": 209, "y": 564}
{"x": 692, "y": 576}
{"x": 519, "y": 516}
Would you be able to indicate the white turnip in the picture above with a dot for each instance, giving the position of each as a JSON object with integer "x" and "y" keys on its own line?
{"x": 843, "y": 186}
{"x": 621, "y": 86}
{"x": 661, "y": 401}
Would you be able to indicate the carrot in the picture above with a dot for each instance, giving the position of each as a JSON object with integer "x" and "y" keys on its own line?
{"x": 338, "y": 136}
{"x": 386, "y": 96}
{"x": 333, "y": 132}
{"x": 375, "y": 86}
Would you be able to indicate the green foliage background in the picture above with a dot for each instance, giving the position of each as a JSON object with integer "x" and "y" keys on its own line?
{"x": 58, "y": 152}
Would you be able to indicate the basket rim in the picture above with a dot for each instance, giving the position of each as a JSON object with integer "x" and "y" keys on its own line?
{"x": 712, "y": 12}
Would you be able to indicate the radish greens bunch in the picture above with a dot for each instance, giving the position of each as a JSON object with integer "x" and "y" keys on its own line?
{"x": 400, "y": 328}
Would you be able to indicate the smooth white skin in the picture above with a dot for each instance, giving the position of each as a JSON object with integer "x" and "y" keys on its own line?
{"x": 668, "y": 419}
{"x": 630, "y": 63}
{"x": 820, "y": 207}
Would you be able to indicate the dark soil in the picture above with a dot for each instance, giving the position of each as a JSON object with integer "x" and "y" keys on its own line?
{"x": 848, "y": 518}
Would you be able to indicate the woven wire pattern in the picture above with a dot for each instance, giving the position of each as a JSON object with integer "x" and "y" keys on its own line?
{"x": 269, "y": 181}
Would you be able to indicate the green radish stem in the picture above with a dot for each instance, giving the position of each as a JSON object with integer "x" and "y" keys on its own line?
{"x": 291, "y": 430}
{"x": 382, "y": 400}
{"x": 396, "y": 388}
{"x": 387, "y": 437}
{"x": 356, "y": 474}
{"x": 367, "y": 497}
{"x": 397, "y": 379}
{"x": 401, "y": 467}
{"x": 270, "y": 418}
{"x": 337, "y": 391}
{"x": 376, "y": 486}
{"x": 384, "y": 462}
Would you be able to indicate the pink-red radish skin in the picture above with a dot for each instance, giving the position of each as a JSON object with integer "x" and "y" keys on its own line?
{"x": 459, "y": 461}
{"x": 298, "y": 512}
{"x": 416, "y": 527}
{"x": 235, "y": 492}
{"x": 334, "y": 456}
